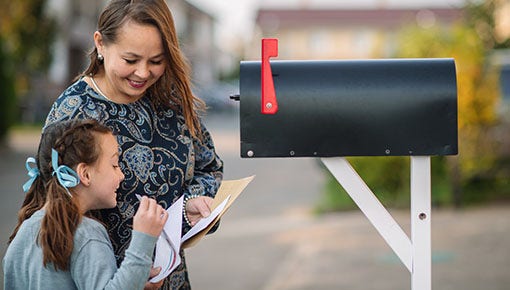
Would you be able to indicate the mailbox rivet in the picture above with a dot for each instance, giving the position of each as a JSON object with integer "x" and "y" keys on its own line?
{"x": 249, "y": 153}
{"x": 422, "y": 216}
{"x": 387, "y": 151}
{"x": 292, "y": 153}
{"x": 269, "y": 105}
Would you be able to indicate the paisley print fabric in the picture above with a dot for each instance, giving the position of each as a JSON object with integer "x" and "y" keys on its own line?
{"x": 158, "y": 156}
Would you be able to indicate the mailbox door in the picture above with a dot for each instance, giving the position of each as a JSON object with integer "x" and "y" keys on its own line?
{"x": 390, "y": 107}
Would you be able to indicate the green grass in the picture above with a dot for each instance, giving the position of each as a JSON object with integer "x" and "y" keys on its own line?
{"x": 388, "y": 178}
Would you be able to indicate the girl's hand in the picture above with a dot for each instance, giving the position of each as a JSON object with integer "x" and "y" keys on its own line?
{"x": 150, "y": 217}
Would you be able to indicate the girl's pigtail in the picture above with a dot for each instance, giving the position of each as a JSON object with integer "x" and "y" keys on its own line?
{"x": 34, "y": 201}
{"x": 58, "y": 226}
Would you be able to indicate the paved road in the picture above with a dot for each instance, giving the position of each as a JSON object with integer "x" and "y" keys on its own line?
{"x": 270, "y": 240}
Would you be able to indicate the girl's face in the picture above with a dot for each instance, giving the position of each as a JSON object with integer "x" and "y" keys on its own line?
{"x": 105, "y": 175}
{"x": 133, "y": 63}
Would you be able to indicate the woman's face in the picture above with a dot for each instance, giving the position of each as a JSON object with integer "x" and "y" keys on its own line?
{"x": 133, "y": 63}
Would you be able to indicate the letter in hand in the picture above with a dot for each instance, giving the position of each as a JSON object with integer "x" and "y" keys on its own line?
{"x": 197, "y": 208}
{"x": 150, "y": 217}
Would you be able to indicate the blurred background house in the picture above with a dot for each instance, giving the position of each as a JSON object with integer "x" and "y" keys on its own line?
{"x": 77, "y": 21}
{"x": 332, "y": 30}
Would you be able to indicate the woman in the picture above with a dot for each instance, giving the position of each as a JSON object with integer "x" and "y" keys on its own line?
{"x": 138, "y": 84}
{"x": 54, "y": 245}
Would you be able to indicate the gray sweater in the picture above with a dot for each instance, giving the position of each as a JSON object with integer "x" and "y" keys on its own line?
{"x": 92, "y": 263}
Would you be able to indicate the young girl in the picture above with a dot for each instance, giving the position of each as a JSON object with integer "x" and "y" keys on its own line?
{"x": 55, "y": 246}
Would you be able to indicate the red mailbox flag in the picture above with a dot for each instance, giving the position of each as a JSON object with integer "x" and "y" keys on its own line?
{"x": 269, "y": 103}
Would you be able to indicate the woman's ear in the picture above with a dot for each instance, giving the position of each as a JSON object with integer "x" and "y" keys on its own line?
{"x": 83, "y": 171}
{"x": 98, "y": 41}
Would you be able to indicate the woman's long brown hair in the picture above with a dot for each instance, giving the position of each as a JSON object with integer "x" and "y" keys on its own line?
{"x": 173, "y": 89}
{"x": 76, "y": 141}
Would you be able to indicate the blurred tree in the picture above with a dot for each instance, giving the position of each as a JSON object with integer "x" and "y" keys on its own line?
{"x": 28, "y": 34}
{"x": 481, "y": 15}
{"x": 457, "y": 178}
{"x": 7, "y": 93}
{"x": 470, "y": 44}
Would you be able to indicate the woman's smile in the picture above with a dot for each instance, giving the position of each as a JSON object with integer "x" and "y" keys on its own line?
{"x": 137, "y": 84}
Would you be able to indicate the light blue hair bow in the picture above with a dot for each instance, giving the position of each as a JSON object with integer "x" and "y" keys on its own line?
{"x": 66, "y": 176}
{"x": 33, "y": 173}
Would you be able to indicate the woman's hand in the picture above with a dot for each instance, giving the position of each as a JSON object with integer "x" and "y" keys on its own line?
{"x": 150, "y": 217}
{"x": 197, "y": 208}
{"x": 153, "y": 286}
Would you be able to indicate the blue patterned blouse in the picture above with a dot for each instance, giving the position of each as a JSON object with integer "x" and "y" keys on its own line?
{"x": 158, "y": 157}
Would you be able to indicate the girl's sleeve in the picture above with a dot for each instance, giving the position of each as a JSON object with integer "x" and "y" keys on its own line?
{"x": 94, "y": 267}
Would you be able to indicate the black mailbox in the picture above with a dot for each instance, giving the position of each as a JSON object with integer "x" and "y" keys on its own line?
{"x": 384, "y": 107}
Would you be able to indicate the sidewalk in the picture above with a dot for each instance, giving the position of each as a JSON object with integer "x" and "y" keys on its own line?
{"x": 270, "y": 240}
{"x": 343, "y": 251}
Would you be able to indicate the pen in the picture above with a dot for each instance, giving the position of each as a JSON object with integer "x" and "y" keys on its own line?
{"x": 165, "y": 234}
